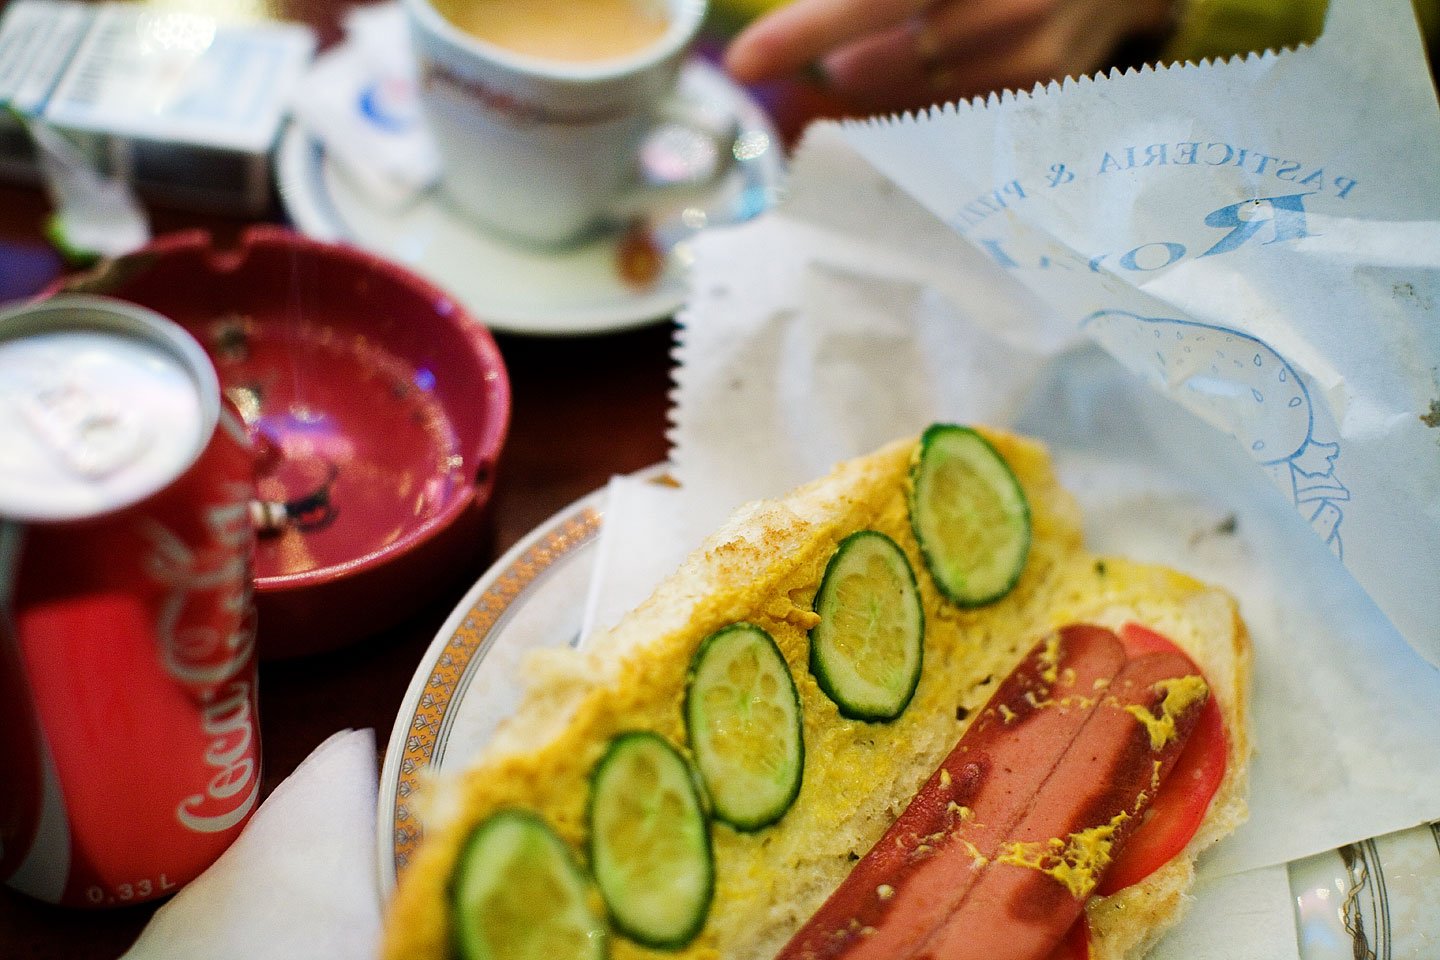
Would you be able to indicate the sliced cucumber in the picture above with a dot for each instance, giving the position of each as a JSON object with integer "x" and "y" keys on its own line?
{"x": 866, "y": 651}
{"x": 743, "y": 717}
{"x": 650, "y": 842}
{"x": 969, "y": 515}
{"x": 518, "y": 894}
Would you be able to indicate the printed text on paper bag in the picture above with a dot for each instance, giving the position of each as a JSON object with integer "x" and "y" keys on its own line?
{"x": 1262, "y": 219}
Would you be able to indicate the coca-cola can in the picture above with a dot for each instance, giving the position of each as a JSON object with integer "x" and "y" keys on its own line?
{"x": 129, "y": 747}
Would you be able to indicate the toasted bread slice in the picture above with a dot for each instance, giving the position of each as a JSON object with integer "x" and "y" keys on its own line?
{"x": 764, "y": 566}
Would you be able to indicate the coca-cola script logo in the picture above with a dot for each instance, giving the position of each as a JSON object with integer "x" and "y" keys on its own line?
{"x": 229, "y": 720}
{"x": 205, "y": 629}
{"x": 206, "y": 636}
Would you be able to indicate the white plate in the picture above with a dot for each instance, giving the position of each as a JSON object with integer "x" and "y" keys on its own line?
{"x": 526, "y": 290}
{"x": 532, "y": 597}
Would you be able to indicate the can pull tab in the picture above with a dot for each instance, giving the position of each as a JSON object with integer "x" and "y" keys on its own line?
{"x": 91, "y": 435}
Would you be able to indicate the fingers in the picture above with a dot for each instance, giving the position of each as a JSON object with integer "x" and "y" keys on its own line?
{"x": 887, "y": 71}
{"x": 806, "y": 30}
{"x": 944, "y": 57}
{"x": 887, "y": 55}
{"x": 907, "y": 67}
{"x": 955, "y": 25}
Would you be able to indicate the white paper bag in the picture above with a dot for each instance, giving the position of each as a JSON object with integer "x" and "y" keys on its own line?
{"x": 1260, "y": 240}
{"x": 1254, "y": 240}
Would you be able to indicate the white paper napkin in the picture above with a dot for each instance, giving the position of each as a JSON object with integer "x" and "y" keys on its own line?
{"x": 1343, "y": 714}
{"x": 361, "y": 100}
{"x": 648, "y": 531}
{"x": 300, "y": 881}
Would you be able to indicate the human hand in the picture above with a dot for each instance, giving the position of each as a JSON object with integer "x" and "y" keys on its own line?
{"x": 908, "y": 54}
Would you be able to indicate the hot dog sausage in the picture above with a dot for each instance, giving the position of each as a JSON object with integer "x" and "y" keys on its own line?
{"x": 920, "y": 870}
{"x": 1028, "y": 895}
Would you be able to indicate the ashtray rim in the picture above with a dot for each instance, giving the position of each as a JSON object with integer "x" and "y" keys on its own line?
{"x": 491, "y": 384}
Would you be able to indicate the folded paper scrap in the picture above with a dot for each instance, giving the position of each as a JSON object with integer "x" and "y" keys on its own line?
{"x": 95, "y": 215}
{"x": 299, "y": 882}
{"x": 1257, "y": 240}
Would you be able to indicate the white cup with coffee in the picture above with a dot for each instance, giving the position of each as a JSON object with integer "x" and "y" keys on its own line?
{"x": 539, "y": 107}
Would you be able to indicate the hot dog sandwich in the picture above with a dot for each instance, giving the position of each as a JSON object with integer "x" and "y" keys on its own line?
{"x": 901, "y": 712}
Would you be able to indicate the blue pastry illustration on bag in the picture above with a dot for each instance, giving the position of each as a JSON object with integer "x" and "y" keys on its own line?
{"x": 1238, "y": 383}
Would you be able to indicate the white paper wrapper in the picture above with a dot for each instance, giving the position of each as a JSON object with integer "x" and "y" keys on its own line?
{"x": 1234, "y": 916}
{"x": 1239, "y": 917}
{"x": 927, "y": 269}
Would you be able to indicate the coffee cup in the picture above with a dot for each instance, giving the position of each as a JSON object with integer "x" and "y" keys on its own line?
{"x": 539, "y": 108}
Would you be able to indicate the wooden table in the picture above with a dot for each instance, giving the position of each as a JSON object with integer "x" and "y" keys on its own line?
{"x": 584, "y": 409}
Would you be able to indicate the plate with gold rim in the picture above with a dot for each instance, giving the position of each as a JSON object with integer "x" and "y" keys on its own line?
{"x": 467, "y": 681}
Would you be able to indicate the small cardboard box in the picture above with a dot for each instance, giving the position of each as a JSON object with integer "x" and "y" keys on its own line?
{"x": 184, "y": 106}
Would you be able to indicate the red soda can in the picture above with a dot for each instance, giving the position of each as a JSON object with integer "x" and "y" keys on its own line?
{"x": 128, "y": 736}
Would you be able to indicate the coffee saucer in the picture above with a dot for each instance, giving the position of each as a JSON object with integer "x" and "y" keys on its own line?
{"x": 622, "y": 279}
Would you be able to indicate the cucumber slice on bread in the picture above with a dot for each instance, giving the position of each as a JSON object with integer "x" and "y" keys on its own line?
{"x": 867, "y": 649}
{"x": 742, "y": 714}
{"x": 650, "y": 841}
{"x": 518, "y": 894}
{"x": 969, "y": 515}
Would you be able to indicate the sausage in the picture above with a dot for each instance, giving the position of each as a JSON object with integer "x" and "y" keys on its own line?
{"x": 1029, "y": 894}
{"x": 920, "y": 870}
{"x": 1179, "y": 809}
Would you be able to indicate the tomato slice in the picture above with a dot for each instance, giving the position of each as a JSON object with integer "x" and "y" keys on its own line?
{"x": 1076, "y": 945}
{"x": 1178, "y": 810}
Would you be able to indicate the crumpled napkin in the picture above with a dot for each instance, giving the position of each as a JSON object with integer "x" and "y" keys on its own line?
{"x": 299, "y": 882}
{"x": 361, "y": 100}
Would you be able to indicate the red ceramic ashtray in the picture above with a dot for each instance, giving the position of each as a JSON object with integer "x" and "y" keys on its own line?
{"x": 379, "y": 408}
